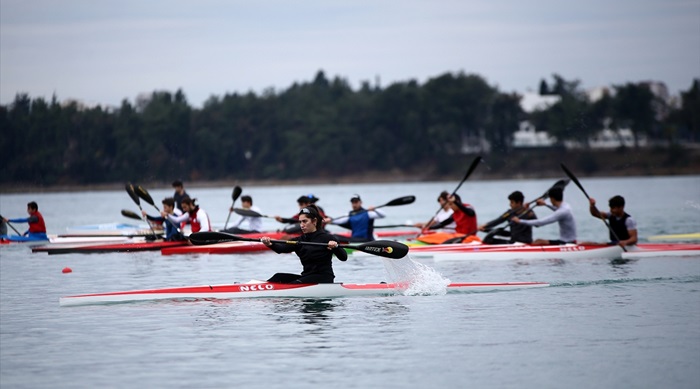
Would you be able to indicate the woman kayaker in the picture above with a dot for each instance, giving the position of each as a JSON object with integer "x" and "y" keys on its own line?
{"x": 37, "y": 227}
{"x": 196, "y": 216}
{"x": 317, "y": 261}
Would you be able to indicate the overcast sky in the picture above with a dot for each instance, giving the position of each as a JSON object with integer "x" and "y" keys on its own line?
{"x": 102, "y": 52}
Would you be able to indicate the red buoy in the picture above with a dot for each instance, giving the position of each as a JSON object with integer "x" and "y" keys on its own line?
{"x": 67, "y": 270}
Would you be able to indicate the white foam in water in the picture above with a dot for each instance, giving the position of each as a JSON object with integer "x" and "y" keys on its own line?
{"x": 413, "y": 278}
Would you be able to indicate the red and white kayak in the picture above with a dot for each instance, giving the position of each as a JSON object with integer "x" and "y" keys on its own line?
{"x": 485, "y": 252}
{"x": 218, "y": 248}
{"x": 482, "y": 252}
{"x": 656, "y": 250}
{"x": 257, "y": 289}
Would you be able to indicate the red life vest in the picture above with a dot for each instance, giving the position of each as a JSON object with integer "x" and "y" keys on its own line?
{"x": 195, "y": 223}
{"x": 465, "y": 224}
{"x": 39, "y": 225}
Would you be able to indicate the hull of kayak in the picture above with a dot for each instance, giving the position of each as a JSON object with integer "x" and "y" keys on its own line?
{"x": 482, "y": 252}
{"x": 657, "y": 250}
{"x": 265, "y": 289}
{"x": 89, "y": 248}
{"x": 218, "y": 248}
{"x": 21, "y": 239}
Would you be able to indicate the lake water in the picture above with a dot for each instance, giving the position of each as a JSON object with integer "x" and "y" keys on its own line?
{"x": 600, "y": 324}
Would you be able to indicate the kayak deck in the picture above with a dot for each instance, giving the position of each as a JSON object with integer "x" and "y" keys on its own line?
{"x": 268, "y": 289}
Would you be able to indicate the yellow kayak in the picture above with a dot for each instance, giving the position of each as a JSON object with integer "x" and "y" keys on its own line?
{"x": 678, "y": 237}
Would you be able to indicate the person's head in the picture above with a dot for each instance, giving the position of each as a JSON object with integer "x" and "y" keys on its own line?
{"x": 32, "y": 207}
{"x": 442, "y": 198}
{"x": 617, "y": 205}
{"x": 179, "y": 187}
{"x": 453, "y": 204}
{"x": 247, "y": 201}
{"x": 188, "y": 204}
{"x": 168, "y": 204}
{"x": 556, "y": 193}
{"x": 516, "y": 199}
{"x": 303, "y": 201}
{"x": 310, "y": 219}
{"x": 356, "y": 202}
{"x": 312, "y": 199}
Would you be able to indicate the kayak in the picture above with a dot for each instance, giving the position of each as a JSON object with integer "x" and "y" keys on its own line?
{"x": 506, "y": 252}
{"x": 675, "y": 237}
{"x": 218, "y": 248}
{"x": 21, "y": 239}
{"x": 258, "y": 289}
{"x": 137, "y": 244}
{"x": 461, "y": 252}
{"x": 87, "y": 239}
{"x": 656, "y": 250}
{"x": 109, "y": 229}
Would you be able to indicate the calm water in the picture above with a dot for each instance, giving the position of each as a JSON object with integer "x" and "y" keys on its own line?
{"x": 600, "y": 325}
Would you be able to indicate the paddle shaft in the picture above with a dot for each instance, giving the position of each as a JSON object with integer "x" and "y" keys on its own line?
{"x": 472, "y": 167}
{"x": 132, "y": 193}
{"x": 11, "y": 226}
{"x": 575, "y": 180}
{"x": 237, "y": 190}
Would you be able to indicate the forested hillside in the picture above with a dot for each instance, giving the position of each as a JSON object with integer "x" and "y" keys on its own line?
{"x": 322, "y": 128}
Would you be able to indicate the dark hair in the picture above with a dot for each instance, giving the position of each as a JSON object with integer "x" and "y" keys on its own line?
{"x": 517, "y": 197}
{"x": 187, "y": 200}
{"x": 444, "y": 195}
{"x": 169, "y": 201}
{"x": 313, "y": 212}
{"x": 33, "y": 205}
{"x": 556, "y": 193}
{"x": 616, "y": 201}
{"x": 304, "y": 200}
{"x": 247, "y": 199}
{"x": 177, "y": 183}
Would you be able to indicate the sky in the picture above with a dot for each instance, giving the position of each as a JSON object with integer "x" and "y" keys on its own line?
{"x": 103, "y": 52}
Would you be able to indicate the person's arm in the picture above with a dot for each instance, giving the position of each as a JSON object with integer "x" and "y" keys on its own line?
{"x": 467, "y": 210}
{"x": 375, "y": 214}
{"x": 341, "y": 221}
{"x": 442, "y": 224}
{"x": 555, "y": 217}
{"x": 594, "y": 210}
{"x": 204, "y": 220}
{"x": 632, "y": 231}
{"x": 179, "y": 219}
{"x": 19, "y": 220}
{"x": 340, "y": 253}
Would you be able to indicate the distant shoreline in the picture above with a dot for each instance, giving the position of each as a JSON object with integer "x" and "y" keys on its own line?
{"x": 517, "y": 165}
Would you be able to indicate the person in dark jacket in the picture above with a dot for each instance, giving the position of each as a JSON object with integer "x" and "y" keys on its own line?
{"x": 623, "y": 225}
{"x": 317, "y": 261}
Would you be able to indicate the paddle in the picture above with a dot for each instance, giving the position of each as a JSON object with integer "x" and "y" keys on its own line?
{"x": 130, "y": 214}
{"x": 405, "y": 200}
{"x": 234, "y": 196}
{"x": 143, "y": 193}
{"x": 131, "y": 191}
{"x": 11, "y": 226}
{"x": 473, "y": 166}
{"x": 382, "y": 248}
{"x": 575, "y": 180}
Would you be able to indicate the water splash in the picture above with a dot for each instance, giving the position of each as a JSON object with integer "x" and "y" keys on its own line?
{"x": 413, "y": 278}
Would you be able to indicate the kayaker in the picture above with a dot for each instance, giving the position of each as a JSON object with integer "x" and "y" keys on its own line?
{"x": 179, "y": 194}
{"x": 622, "y": 224}
{"x": 518, "y": 232}
{"x": 443, "y": 220}
{"x": 254, "y": 222}
{"x": 317, "y": 261}
{"x": 359, "y": 220}
{"x": 172, "y": 232}
{"x": 562, "y": 215}
{"x": 37, "y": 226}
{"x": 198, "y": 219}
{"x": 463, "y": 214}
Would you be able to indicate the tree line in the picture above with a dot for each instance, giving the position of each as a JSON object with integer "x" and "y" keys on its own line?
{"x": 321, "y": 128}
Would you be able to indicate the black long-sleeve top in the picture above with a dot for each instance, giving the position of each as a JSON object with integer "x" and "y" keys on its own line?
{"x": 314, "y": 259}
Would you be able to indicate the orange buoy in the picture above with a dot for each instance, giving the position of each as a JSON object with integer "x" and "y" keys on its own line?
{"x": 67, "y": 270}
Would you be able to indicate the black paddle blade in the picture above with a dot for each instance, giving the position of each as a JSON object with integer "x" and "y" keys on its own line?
{"x": 130, "y": 214}
{"x": 212, "y": 237}
{"x": 401, "y": 201}
{"x": 236, "y": 193}
{"x": 132, "y": 193}
{"x": 143, "y": 193}
{"x": 383, "y": 248}
{"x": 574, "y": 179}
{"x": 246, "y": 212}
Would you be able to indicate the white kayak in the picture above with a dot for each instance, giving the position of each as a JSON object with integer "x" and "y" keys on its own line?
{"x": 258, "y": 289}
{"x": 662, "y": 250}
{"x": 508, "y": 252}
